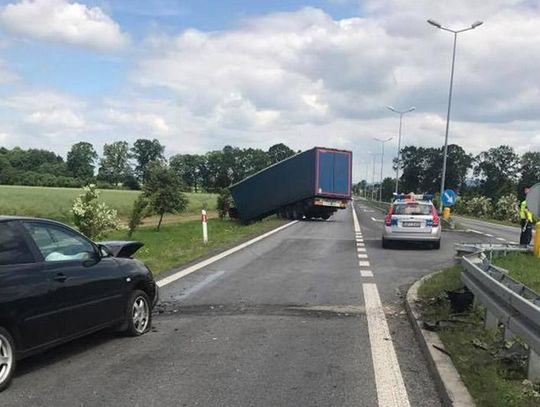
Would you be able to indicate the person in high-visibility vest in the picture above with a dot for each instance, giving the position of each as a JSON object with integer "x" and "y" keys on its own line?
{"x": 526, "y": 217}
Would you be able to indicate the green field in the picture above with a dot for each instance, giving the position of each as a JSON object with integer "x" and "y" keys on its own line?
{"x": 55, "y": 203}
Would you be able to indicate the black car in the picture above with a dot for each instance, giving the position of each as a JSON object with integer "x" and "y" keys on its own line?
{"x": 57, "y": 285}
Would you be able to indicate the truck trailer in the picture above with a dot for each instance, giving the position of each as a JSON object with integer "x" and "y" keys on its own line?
{"x": 312, "y": 184}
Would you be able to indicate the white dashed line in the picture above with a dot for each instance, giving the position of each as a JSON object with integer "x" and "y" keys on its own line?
{"x": 373, "y": 219}
{"x": 362, "y": 255}
{"x": 363, "y": 263}
{"x": 361, "y": 249}
{"x": 366, "y": 273}
{"x": 488, "y": 235}
{"x": 475, "y": 231}
{"x": 360, "y": 244}
{"x": 501, "y": 239}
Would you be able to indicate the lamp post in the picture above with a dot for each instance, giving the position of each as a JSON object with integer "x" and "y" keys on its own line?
{"x": 382, "y": 162}
{"x": 455, "y": 32}
{"x": 372, "y": 174}
{"x": 401, "y": 113}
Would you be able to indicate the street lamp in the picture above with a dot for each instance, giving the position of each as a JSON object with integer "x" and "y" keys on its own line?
{"x": 382, "y": 162}
{"x": 401, "y": 113}
{"x": 455, "y": 32}
{"x": 373, "y": 155}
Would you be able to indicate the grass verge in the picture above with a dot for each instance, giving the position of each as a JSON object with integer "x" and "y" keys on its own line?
{"x": 489, "y": 220}
{"x": 523, "y": 267}
{"x": 177, "y": 244}
{"x": 487, "y": 363}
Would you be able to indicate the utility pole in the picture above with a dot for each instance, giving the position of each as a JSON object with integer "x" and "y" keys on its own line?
{"x": 382, "y": 162}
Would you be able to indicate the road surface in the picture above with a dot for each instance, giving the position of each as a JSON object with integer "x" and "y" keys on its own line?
{"x": 310, "y": 316}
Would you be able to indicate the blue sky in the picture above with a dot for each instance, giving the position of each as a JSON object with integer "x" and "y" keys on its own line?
{"x": 201, "y": 74}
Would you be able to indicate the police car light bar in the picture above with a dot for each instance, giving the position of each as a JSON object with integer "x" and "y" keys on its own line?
{"x": 413, "y": 197}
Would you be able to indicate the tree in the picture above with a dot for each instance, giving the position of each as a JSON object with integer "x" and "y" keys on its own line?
{"x": 163, "y": 190}
{"x": 279, "y": 152}
{"x": 224, "y": 202}
{"x": 114, "y": 165}
{"x": 187, "y": 167}
{"x": 529, "y": 171}
{"x": 497, "y": 170}
{"x": 388, "y": 188}
{"x": 80, "y": 160}
{"x": 146, "y": 152}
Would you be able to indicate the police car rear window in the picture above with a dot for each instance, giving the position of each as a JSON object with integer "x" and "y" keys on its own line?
{"x": 412, "y": 209}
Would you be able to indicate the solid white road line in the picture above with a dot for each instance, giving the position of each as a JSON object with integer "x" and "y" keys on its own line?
{"x": 355, "y": 220}
{"x": 366, "y": 273}
{"x": 204, "y": 263}
{"x": 388, "y": 379}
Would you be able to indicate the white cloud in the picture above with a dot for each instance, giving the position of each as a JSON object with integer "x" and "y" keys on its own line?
{"x": 65, "y": 22}
{"x": 315, "y": 79}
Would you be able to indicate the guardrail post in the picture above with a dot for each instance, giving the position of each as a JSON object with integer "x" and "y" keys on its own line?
{"x": 491, "y": 322}
{"x": 534, "y": 367}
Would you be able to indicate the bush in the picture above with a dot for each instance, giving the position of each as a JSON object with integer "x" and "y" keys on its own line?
{"x": 92, "y": 217}
{"x": 507, "y": 208}
{"x": 479, "y": 206}
{"x": 224, "y": 202}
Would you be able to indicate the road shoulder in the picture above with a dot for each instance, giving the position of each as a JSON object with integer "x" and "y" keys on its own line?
{"x": 451, "y": 388}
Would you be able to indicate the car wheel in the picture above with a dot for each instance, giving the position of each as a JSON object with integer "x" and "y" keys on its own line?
{"x": 7, "y": 358}
{"x": 138, "y": 314}
{"x": 385, "y": 244}
{"x": 437, "y": 245}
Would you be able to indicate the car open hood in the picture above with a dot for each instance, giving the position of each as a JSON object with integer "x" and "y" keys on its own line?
{"x": 122, "y": 248}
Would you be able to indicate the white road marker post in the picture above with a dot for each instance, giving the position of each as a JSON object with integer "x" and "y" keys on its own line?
{"x": 204, "y": 219}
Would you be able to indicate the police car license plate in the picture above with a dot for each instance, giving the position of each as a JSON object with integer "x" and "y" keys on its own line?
{"x": 411, "y": 224}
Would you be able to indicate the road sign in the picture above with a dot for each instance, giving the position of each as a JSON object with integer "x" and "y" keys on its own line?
{"x": 533, "y": 200}
{"x": 449, "y": 198}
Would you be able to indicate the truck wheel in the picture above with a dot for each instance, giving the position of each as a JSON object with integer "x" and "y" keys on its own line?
{"x": 7, "y": 358}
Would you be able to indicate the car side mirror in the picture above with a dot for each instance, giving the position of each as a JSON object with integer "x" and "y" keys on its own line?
{"x": 104, "y": 251}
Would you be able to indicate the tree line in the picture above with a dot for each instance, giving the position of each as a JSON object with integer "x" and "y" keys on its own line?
{"x": 122, "y": 165}
{"x": 493, "y": 173}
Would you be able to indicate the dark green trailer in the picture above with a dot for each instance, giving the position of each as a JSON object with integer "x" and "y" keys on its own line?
{"x": 311, "y": 184}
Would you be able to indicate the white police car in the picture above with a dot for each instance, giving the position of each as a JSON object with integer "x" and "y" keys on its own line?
{"x": 412, "y": 218}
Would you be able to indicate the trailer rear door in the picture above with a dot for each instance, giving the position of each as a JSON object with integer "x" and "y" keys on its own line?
{"x": 334, "y": 173}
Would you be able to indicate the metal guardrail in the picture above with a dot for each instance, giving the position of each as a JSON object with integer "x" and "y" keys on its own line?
{"x": 507, "y": 301}
{"x": 463, "y": 249}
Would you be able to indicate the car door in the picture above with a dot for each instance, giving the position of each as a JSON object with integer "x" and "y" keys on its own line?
{"x": 25, "y": 289}
{"x": 89, "y": 288}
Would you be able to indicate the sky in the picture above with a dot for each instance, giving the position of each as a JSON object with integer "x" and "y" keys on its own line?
{"x": 198, "y": 75}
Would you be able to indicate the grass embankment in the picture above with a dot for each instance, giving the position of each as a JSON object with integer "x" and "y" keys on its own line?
{"x": 483, "y": 358}
{"x": 55, "y": 203}
{"x": 489, "y": 220}
{"x": 178, "y": 244}
{"x": 523, "y": 267}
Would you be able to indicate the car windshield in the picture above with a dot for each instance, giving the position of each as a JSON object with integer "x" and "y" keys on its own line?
{"x": 412, "y": 209}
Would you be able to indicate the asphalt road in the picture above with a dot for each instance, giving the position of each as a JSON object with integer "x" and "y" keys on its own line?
{"x": 288, "y": 321}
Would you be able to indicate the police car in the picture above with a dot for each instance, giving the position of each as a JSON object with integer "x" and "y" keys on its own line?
{"x": 412, "y": 218}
